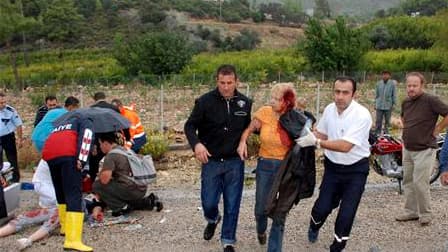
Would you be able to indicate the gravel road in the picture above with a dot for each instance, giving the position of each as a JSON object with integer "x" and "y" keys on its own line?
{"x": 179, "y": 227}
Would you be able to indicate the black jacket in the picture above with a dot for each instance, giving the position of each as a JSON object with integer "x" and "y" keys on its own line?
{"x": 219, "y": 123}
{"x": 296, "y": 178}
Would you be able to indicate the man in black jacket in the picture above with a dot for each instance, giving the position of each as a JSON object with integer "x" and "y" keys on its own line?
{"x": 213, "y": 130}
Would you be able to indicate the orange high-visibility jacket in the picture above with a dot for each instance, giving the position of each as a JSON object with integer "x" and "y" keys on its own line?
{"x": 136, "y": 129}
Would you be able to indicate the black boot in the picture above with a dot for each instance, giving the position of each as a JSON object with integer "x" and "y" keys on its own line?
{"x": 148, "y": 203}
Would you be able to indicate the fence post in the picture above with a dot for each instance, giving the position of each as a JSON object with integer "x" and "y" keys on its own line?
{"x": 364, "y": 78}
{"x": 161, "y": 107}
{"x": 247, "y": 89}
{"x": 318, "y": 96}
{"x": 434, "y": 90}
{"x": 81, "y": 95}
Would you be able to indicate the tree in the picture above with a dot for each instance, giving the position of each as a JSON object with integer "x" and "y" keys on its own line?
{"x": 441, "y": 43}
{"x": 423, "y": 7}
{"x": 12, "y": 24}
{"x": 322, "y": 9}
{"x": 153, "y": 53}
{"x": 334, "y": 47}
{"x": 62, "y": 22}
{"x": 247, "y": 40}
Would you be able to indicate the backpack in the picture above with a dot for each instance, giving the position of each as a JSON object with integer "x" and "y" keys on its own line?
{"x": 142, "y": 169}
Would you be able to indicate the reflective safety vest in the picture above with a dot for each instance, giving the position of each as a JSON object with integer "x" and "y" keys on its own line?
{"x": 136, "y": 129}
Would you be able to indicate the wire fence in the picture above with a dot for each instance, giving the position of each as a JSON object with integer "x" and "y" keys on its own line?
{"x": 168, "y": 103}
{"x": 193, "y": 79}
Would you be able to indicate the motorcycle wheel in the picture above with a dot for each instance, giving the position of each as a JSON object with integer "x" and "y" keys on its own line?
{"x": 435, "y": 170}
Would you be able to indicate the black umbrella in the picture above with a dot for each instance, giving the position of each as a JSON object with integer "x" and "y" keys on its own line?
{"x": 104, "y": 120}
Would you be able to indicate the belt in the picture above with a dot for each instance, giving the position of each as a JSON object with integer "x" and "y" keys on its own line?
{"x": 218, "y": 159}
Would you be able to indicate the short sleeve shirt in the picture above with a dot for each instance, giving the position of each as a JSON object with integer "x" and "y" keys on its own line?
{"x": 9, "y": 120}
{"x": 121, "y": 170}
{"x": 274, "y": 141}
{"x": 420, "y": 116}
{"x": 353, "y": 126}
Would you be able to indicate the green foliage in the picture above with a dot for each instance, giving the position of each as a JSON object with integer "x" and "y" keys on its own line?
{"x": 247, "y": 40}
{"x": 441, "y": 44}
{"x": 333, "y": 47}
{"x": 423, "y": 7}
{"x": 86, "y": 8}
{"x": 253, "y": 145}
{"x": 258, "y": 17}
{"x": 153, "y": 53}
{"x": 252, "y": 66}
{"x": 12, "y": 22}
{"x": 322, "y": 9}
{"x": 62, "y": 22}
{"x": 81, "y": 66}
{"x": 151, "y": 12}
{"x": 403, "y": 32}
{"x": 156, "y": 146}
{"x": 282, "y": 15}
{"x": 403, "y": 60}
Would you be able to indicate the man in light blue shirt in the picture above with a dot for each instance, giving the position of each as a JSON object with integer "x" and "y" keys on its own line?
{"x": 10, "y": 123}
{"x": 384, "y": 101}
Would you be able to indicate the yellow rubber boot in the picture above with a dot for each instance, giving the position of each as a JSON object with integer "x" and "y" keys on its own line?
{"x": 73, "y": 232}
{"x": 62, "y": 208}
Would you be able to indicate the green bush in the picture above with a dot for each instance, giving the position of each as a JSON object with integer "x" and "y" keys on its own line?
{"x": 156, "y": 146}
{"x": 403, "y": 32}
{"x": 403, "y": 60}
{"x": 252, "y": 66}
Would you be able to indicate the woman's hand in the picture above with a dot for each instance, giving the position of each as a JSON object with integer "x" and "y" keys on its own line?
{"x": 242, "y": 150}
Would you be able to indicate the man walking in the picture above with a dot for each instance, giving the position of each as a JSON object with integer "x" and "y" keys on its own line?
{"x": 10, "y": 123}
{"x": 385, "y": 99}
{"x": 343, "y": 133}
{"x": 220, "y": 117}
{"x": 419, "y": 113}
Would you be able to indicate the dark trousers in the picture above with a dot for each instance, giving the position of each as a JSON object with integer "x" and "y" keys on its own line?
{"x": 116, "y": 195}
{"x": 67, "y": 182}
{"x": 3, "y": 212}
{"x": 380, "y": 114}
{"x": 339, "y": 188}
{"x": 94, "y": 161}
{"x": 8, "y": 143}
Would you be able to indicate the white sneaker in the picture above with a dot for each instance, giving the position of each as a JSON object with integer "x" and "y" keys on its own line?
{"x": 24, "y": 243}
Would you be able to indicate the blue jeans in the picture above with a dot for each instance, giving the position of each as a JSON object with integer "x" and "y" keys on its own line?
{"x": 443, "y": 156}
{"x": 227, "y": 178}
{"x": 265, "y": 172}
{"x": 139, "y": 142}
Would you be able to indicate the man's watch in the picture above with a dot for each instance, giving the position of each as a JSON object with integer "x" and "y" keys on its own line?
{"x": 318, "y": 143}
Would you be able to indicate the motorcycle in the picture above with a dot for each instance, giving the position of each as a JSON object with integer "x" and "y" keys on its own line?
{"x": 387, "y": 155}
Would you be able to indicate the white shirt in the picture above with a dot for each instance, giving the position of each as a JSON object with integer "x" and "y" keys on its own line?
{"x": 353, "y": 126}
{"x": 43, "y": 185}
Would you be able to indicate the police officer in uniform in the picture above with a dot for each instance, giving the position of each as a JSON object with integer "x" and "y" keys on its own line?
{"x": 10, "y": 123}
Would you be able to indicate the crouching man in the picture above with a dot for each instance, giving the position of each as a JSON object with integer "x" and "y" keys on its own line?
{"x": 114, "y": 185}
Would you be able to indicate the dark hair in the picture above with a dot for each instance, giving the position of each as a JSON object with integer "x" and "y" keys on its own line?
{"x": 2, "y": 94}
{"x": 50, "y": 98}
{"x": 226, "y": 70}
{"x": 117, "y": 102}
{"x": 99, "y": 96}
{"x": 346, "y": 79}
{"x": 71, "y": 101}
{"x": 109, "y": 137}
{"x": 386, "y": 72}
